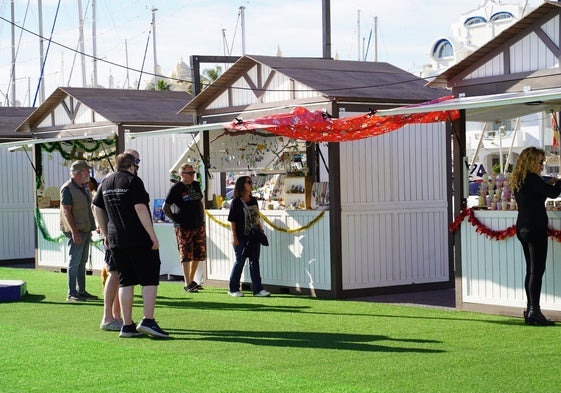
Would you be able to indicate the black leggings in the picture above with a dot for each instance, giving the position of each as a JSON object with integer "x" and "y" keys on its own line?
{"x": 534, "y": 244}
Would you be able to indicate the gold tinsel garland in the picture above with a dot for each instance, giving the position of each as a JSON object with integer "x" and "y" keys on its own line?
{"x": 271, "y": 224}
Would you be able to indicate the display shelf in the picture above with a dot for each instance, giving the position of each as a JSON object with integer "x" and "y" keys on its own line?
{"x": 296, "y": 192}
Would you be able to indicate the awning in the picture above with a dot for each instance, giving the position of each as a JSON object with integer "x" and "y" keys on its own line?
{"x": 35, "y": 141}
{"x": 178, "y": 130}
{"x": 494, "y": 107}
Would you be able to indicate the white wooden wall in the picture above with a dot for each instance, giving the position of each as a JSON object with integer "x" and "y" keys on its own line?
{"x": 493, "y": 270}
{"x": 17, "y": 240}
{"x": 394, "y": 208}
{"x": 158, "y": 154}
{"x": 300, "y": 260}
{"x": 529, "y": 53}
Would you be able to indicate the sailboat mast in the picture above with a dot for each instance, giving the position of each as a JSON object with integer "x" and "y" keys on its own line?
{"x": 376, "y": 38}
{"x": 81, "y": 39}
{"x": 13, "y": 78}
{"x": 41, "y": 50}
{"x": 127, "y": 60}
{"x": 94, "y": 47}
{"x": 358, "y": 33}
{"x": 154, "y": 45}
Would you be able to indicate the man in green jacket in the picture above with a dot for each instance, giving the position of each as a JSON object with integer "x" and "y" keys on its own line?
{"x": 77, "y": 223}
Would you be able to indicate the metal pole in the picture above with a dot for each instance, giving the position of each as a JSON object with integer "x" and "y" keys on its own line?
{"x": 154, "y": 45}
{"x": 516, "y": 127}
{"x": 242, "y": 17}
{"x": 478, "y": 146}
{"x": 326, "y": 25}
{"x": 41, "y": 51}
{"x": 81, "y": 39}
{"x": 358, "y": 33}
{"x": 94, "y": 44}
{"x": 501, "y": 131}
{"x": 127, "y": 62}
{"x": 375, "y": 38}
{"x": 13, "y": 78}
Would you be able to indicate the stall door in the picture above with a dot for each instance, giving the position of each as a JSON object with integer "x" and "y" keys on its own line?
{"x": 394, "y": 208}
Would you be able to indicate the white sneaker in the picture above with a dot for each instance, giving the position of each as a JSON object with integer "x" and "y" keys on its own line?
{"x": 235, "y": 294}
{"x": 262, "y": 293}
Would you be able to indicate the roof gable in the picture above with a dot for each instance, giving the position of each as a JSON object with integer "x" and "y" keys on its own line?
{"x": 10, "y": 119}
{"x": 267, "y": 79}
{"x": 530, "y": 45}
{"x": 69, "y": 105}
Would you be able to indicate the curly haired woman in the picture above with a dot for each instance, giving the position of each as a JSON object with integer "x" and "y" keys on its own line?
{"x": 531, "y": 191}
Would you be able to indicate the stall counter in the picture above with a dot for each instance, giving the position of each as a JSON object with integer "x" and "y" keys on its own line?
{"x": 53, "y": 254}
{"x": 298, "y": 255}
{"x": 493, "y": 270}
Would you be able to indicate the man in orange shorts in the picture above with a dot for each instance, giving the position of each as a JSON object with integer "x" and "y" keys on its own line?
{"x": 184, "y": 205}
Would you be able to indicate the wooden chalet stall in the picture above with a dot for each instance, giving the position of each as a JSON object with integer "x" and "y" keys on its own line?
{"x": 516, "y": 74}
{"x": 385, "y": 227}
{"x": 94, "y": 124}
{"x": 16, "y": 190}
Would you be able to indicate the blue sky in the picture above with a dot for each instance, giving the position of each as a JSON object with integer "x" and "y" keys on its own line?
{"x": 406, "y": 30}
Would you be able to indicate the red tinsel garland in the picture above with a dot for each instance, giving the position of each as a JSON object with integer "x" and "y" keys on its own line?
{"x": 490, "y": 233}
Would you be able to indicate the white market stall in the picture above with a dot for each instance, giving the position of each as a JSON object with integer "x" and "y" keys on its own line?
{"x": 500, "y": 82}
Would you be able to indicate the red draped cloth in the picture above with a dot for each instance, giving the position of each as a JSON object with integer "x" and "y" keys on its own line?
{"x": 317, "y": 127}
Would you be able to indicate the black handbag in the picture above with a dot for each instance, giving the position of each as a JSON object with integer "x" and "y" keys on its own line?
{"x": 259, "y": 236}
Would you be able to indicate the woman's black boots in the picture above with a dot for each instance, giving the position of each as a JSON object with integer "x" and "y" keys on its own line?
{"x": 535, "y": 317}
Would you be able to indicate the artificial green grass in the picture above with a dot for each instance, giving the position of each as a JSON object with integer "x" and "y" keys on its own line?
{"x": 283, "y": 343}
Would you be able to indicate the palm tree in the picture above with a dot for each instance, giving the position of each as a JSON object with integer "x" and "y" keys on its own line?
{"x": 209, "y": 75}
{"x": 162, "y": 85}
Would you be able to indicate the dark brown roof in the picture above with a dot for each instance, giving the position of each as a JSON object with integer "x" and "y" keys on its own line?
{"x": 336, "y": 79}
{"x": 10, "y": 119}
{"x": 120, "y": 106}
{"x": 542, "y": 13}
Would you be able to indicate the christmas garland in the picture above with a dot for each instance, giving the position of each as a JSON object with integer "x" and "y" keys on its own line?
{"x": 270, "y": 223}
{"x": 76, "y": 145}
{"x": 47, "y": 236}
{"x": 491, "y": 233}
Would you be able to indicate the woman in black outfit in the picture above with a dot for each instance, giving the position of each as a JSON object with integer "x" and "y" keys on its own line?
{"x": 531, "y": 191}
{"x": 243, "y": 216}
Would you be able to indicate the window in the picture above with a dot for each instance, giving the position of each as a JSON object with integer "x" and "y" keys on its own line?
{"x": 443, "y": 48}
{"x": 501, "y": 16}
{"x": 474, "y": 20}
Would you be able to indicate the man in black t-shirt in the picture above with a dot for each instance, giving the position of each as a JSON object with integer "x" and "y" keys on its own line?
{"x": 122, "y": 212}
{"x": 186, "y": 199}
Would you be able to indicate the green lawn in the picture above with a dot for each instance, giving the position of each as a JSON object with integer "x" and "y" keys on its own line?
{"x": 283, "y": 343}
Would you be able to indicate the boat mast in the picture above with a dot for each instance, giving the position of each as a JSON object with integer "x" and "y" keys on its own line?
{"x": 13, "y": 77}
{"x": 154, "y": 45}
{"x": 94, "y": 44}
{"x": 81, "y": 39}
{"x": 41, "y": 51}
{"x": 358, "y": 33}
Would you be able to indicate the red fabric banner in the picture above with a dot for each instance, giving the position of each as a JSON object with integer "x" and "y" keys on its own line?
{"x": 318, "y": 127}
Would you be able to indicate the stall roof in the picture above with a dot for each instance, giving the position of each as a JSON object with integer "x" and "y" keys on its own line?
{"x": 10, "y": 118}
{"x": 544, "y": 11}
{"x": 120, "y": 106}
{"x": 352, "y": 81}
{"x": 493, "y": 107}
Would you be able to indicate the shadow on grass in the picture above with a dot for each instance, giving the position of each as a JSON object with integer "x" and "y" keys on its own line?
{"x": 190, "y": 303}
{"x": 207, "y": 305}
{"x": 342, "y": 341}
